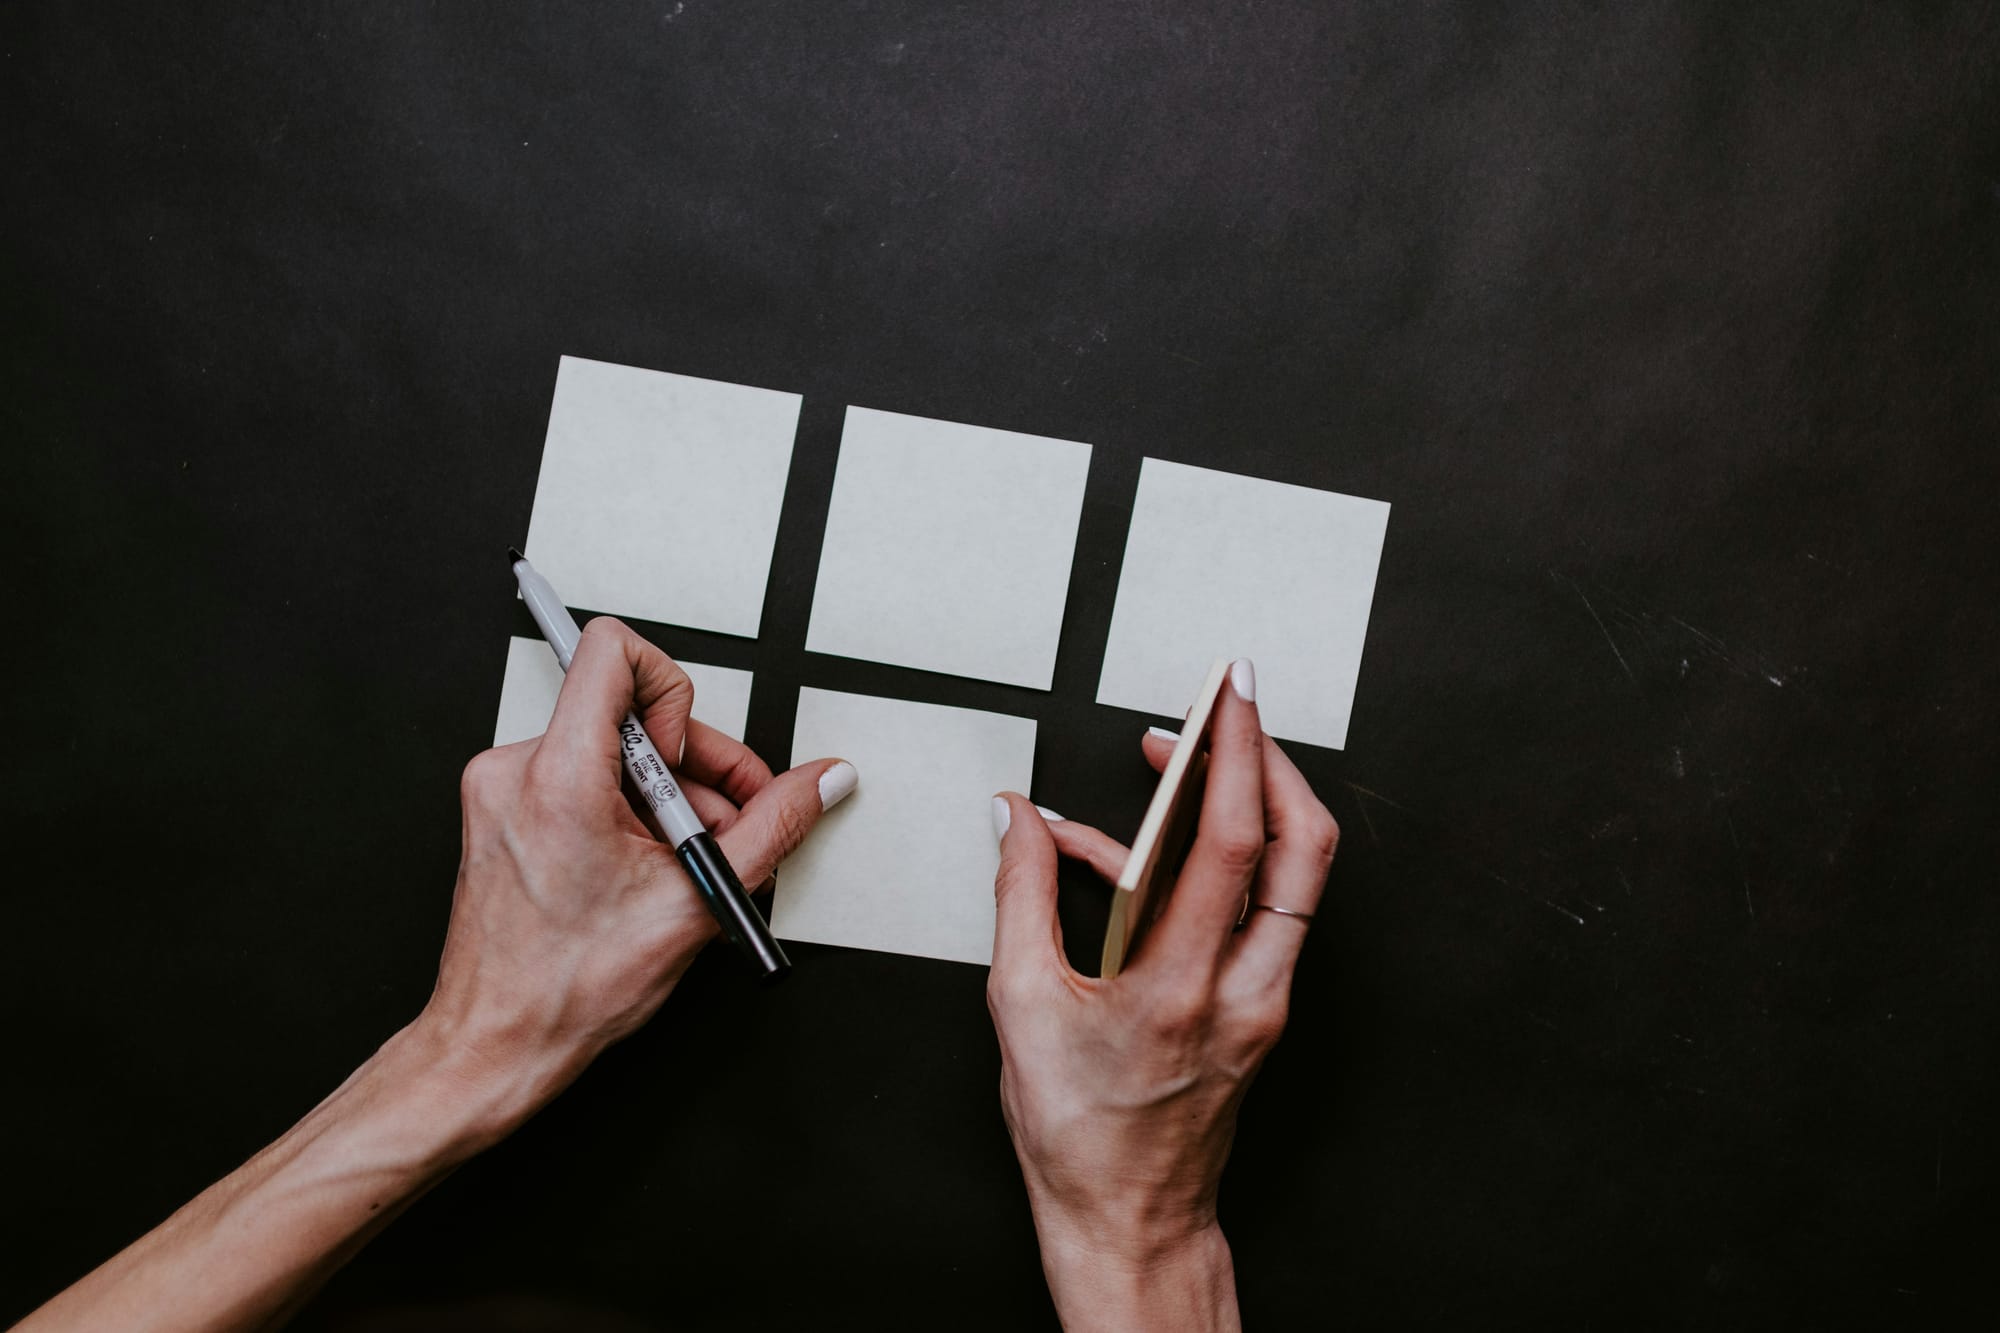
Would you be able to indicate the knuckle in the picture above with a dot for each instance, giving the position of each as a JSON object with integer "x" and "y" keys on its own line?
{"x": 1181, "y": 1015}
{"x": 1014, "y": 877}
{"x": 791, "y": 822}
{"x": 600, "y": 627}
{"x": 653, "y": 660}
{"x": 1011, "y": 876}
{"x": 1004, "y": 992}
{"x": 1015, "y": 987}
{"x": 742, "y": 770}
{"x": 615, "y": 636}
{"x": 678, "y": 685}
{"x": 1262, "y": 1020}
{"x": 1325, "y": 836}
{"x": 481, "y": 778}
{"x": 1238, "y": 849}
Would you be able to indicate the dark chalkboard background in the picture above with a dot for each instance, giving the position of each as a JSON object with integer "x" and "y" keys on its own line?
{"x": 1655, "y": 983}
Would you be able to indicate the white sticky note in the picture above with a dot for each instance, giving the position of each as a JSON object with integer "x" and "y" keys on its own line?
{"x": 1220, "y": 565}
{"x": 659, "y": 494}
{"x": 906, "y": 863}
{"x": 948, "y": 548}
{"x": 533, "y": 679}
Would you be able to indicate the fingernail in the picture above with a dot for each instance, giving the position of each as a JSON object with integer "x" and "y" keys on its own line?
{"x": 837, "y": 784}
{"x": 1243, "y": 679}
{"x": 1050, "y": 815}
{"x": 1002, "y": 817}
{"x": 1164, "y": 734}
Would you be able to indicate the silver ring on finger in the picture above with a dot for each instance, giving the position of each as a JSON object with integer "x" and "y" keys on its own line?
{"x": 1282, "y": 911}
{"x": 1243, "y": 917}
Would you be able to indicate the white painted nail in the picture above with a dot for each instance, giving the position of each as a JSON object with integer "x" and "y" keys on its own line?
{"x": 837, "y": 784}
{"x": 1164, "y": 734}
{"x": 1051, "y": 815}
{"x": 1002, "y": 817}
{"x": 1243, "y": 679}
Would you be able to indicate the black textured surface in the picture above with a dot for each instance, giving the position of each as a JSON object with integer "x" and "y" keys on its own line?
{"x": 1655, "y": 982}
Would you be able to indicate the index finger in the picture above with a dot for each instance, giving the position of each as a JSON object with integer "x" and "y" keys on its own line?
{"x": 613, "y": 672}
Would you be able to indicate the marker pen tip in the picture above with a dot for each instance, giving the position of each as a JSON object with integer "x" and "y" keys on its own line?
{"x": 514, "y": 556}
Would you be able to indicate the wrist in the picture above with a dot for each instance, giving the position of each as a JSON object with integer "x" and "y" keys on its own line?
{"x": 472, "y": 1099}
{"x": 1156, "y": 1278}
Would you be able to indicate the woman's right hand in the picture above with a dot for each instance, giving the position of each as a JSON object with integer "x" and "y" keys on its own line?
{"x": 572, "y": 920}
{"x": 1121, "y": 1095}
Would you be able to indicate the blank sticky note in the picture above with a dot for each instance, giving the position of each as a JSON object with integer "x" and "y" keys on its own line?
{"x": 528, "y": 693}
{"x": 659, "y": 494}
{"x": 948, "y": 548}
{"x": 906, "y": 863}
{"x": 1219, "y": 565}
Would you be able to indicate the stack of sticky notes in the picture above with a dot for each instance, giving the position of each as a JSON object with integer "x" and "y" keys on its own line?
{"x": 948, "y": 548}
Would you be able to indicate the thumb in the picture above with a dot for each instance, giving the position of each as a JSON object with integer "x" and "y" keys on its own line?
{"x": 778, "y": 817}
{"x": 1027, "y": 935}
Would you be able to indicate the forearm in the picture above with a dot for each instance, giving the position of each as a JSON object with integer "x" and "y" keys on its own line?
{"x": 1100, "y": 1287}
{"x": 251, "y": 1248}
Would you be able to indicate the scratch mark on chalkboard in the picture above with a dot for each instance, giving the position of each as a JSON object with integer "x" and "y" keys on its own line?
{"x": 1363, "y": 795}
{"x": 1623, "y": 665}
{"x": 1721, "y": 648}
{"x": 1553, "y": 907}
{"x": 1729, "y": 657}
{"x": 1564, "y": 910}
{"x": 1622, "y": 880}
{"x": 1378, "y": 796}
{"x": 1190, "y": 360}
{"x": 1749, "y": 904}
{"x": 1375, "y": 839}
{"x": 1366, "y": 822}
{"x": 1615, "y": 826}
